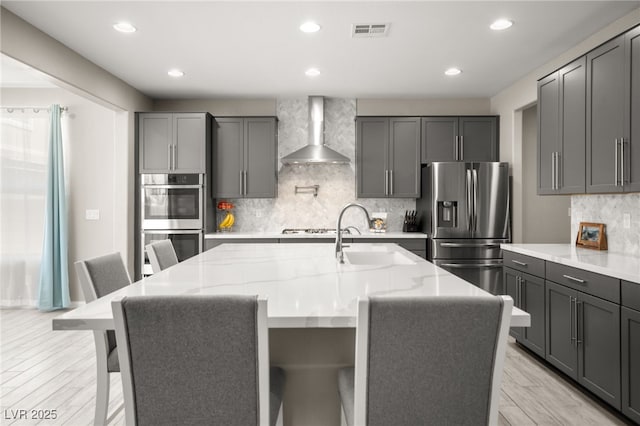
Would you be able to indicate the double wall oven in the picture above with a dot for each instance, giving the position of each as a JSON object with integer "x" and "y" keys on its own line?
{"x": 172, "y": 207}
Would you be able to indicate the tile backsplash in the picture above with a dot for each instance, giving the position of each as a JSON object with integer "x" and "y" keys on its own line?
{"x": 337, "y": 182}
{"x": 610, "y": 209}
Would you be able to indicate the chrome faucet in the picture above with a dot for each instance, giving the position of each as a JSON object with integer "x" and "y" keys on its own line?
{"x": 339, "y": 253}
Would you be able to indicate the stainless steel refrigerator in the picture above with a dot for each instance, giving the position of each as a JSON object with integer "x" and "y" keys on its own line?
{"x": 464, "y": 209}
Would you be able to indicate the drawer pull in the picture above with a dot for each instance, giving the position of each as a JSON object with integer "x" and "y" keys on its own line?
{"x": 517, "y": 262}
{"x": 578, "y": 280}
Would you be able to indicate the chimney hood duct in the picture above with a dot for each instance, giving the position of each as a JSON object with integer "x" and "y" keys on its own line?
{"x": 315, "y": 152}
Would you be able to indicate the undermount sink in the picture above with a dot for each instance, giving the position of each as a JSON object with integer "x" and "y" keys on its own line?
{"x": 376, "y": 258}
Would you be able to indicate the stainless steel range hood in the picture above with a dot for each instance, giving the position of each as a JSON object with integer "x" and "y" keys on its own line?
{"x": 315, "y": 152}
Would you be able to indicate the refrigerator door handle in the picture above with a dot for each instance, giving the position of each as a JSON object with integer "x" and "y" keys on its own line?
{"x": 469, "y": 201}
{"x": 475, "y": 199}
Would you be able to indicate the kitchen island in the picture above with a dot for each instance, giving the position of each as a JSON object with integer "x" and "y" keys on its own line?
{"x": 312, "y": 304}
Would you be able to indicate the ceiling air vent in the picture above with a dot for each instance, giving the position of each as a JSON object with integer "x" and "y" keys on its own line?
{"x": 369, "y": 30}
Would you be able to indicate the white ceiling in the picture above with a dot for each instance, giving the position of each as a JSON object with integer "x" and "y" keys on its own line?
{"x": 254, "y": 49}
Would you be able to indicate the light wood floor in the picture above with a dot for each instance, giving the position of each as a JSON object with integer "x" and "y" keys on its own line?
{"x": 46, "y": 370}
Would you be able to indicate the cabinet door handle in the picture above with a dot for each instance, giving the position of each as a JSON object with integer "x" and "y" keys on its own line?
{"x": 241, "y": 182}
{"x": 390, "y": 182}
{"x": 578, "y": 280}
{"x": 175, "y": 156}
{"x": 461, "y": 148}
{"x": 615, "y": 164}
{"x": 579, "y": 322}
{"x": 244, "y": 188}
{"x": 169, "y": 157}
{"x": 621, "y": 161}
{"x": 572, "y": 318}
{"x": 386, "y": 182}
{"x": 456, "y": 148}
{"x": 517, "y": 262}
{"x": 557, "y": 170}
{"x": 553, "y": 170}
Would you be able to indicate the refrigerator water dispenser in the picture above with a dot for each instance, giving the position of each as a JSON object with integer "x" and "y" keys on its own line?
{"x": 447, "y": 214}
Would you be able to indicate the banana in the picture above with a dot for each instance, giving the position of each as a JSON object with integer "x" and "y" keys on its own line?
{"x": 225, "y": 222}
{"x": 228, "y": 221}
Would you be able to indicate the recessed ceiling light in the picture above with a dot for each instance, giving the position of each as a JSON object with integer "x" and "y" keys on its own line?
{"x": 124, "y": 27}
{"x": 501, "y": 24}
{"x": 312, "y": 72}
{"x": 309, "y": 27}
{"x": 175, "y": 73}
{"x": 453, "y": 71}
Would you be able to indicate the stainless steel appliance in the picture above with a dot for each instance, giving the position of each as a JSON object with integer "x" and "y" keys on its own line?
{"x": 172, "y": 201}
{"x": 464, "y": 209}
{"x": 187, "y": 243}
{"x": 172, "y": 206}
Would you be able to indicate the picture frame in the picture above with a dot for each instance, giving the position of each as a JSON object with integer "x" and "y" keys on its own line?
{"x": 592, "y": 236}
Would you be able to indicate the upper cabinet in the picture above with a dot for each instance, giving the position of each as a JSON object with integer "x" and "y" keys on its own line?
{"x": 561, "y": 130}
{"x": 468, "y": 138}
{"x": 173, "y": 142}
{"x": 613, "y": 135}
{"x": 588, "y": 125}
{"x": 388, "y": 157}
{"x": 245, "y": 154}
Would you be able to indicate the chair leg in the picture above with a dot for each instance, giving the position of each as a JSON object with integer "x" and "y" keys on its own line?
{"x": 103, "y": 381}
{"x": 102, "y": 396}
{"x": 280, "y": 420}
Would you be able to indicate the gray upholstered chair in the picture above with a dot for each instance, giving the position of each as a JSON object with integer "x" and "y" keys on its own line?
{"x": 98, "y": 277}
{"x": 161, "y": 255}
{"x": 432, "y": 360}
{"x": 197, "y": 359}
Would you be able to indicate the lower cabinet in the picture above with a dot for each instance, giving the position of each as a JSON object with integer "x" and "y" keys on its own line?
{"x": 631, "y": 363}
{"x": 527, "y": 292}
{"x": 583, "y": 340}
{"x": 630, "y": 336}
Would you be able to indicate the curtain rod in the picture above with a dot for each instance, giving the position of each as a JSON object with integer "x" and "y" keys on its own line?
{"x": 35, "y": 109}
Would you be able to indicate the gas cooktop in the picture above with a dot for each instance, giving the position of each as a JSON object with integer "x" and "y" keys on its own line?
{"x": 330, "y": 231}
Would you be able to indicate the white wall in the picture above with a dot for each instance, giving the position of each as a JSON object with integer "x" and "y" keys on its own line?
{"x": 68, "y": 70}
{"x": 545, "y": 218}
{"x": 92, "y": 172}
{"x": 510, "y": 103}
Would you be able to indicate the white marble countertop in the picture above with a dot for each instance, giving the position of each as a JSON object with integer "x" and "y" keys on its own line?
{"x": 304, "y": 284}
{"x": 615, "y": 265}
{"x": 257, "y": 235}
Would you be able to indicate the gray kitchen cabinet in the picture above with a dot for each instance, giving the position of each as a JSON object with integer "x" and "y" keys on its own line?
{"x": 467, "y": 138}
{"x": 387, "y": 157}
{"x": 632, "y": 152}
{"x": 528, "y": 294}
{"x": 173, "y": 142}
{"x": 561, "y": 349}
{"x": 613, "y": 74}
{"x": 630, "y": 347}
{"x": 583, "y": 340}
{"x": 245, "y": 158}
{"x": 561, "y": 130}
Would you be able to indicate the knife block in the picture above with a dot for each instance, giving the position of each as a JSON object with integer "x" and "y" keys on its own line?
{"x": 409, "y": 227}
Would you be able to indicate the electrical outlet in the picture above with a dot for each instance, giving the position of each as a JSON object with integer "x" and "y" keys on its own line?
{"x": 569, "y": 214}
{"x": 91, "y": 214}
{"x": 626, "y": 221}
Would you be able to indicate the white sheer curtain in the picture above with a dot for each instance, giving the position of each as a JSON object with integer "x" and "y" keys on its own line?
{"x": 23, "y": 179}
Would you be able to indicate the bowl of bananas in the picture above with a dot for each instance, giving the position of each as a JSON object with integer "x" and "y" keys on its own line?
{"x": 227, "y": 219}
